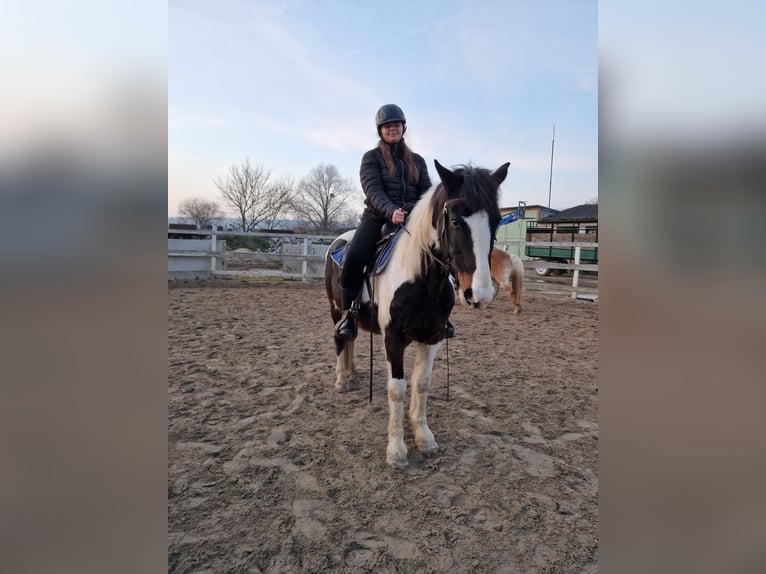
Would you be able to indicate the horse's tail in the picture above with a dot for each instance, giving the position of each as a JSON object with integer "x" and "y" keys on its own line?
{"x": 517, "y": 281}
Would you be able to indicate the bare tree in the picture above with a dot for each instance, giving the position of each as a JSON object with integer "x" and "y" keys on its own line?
{"x": 246, "y": 189}
{"x": 279, "y": 200}
{"x": 350, "y": 219}
{"x": 322, "y": 199}
{"x": 201, "y": 211}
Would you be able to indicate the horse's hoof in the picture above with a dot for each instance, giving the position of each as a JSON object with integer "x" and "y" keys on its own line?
{"x": 342, "y": 387}
{"x": 397, "y": 462}
{"x": 397, "y": 457}
{"x": 424, "y": 439}
{"x": 429, "y": 449}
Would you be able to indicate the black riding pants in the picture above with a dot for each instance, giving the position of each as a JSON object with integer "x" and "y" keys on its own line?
{"x": 360, "y": 253}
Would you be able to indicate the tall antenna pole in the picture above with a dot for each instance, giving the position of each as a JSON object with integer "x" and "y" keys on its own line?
{"x": 550, "y": 181}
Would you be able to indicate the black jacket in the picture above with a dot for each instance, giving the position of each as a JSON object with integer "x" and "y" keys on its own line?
{"x": 385, "y": 193}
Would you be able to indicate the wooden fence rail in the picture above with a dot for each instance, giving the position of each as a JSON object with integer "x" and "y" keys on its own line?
{"x": 307, "y": 252}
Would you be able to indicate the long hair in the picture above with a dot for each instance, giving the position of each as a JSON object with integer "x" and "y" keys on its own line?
{"x": 410, "y": 167}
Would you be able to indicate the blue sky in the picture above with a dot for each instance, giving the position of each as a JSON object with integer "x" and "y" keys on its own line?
{"x": 295, "y": 83}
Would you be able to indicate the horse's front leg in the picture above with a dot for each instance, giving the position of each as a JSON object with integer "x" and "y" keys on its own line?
{"x": 421, "y": 381}
{"x": 396, "y": 452}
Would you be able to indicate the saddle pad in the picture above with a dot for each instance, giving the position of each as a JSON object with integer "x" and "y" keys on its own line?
{"x": 382, "y": 254}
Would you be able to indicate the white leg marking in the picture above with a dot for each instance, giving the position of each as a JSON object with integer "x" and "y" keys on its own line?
{"x": 396, "y": 453}
{"x": 344, "y": 368}
{"x": 348, "y": 352}
{"x": 421, "y": 381}
{"x": 341, "y": 379}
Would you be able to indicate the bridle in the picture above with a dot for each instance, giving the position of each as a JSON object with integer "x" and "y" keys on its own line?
{"x": 444, "y": 239}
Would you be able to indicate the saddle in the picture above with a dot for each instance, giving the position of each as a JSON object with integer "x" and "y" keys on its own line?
{"x": 384, "y": 247}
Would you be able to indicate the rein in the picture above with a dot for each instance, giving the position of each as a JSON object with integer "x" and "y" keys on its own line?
{"x": 446, "y": 266}
{"x": 371, "y": 289}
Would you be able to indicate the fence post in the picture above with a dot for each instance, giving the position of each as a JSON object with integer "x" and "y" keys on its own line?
{"x": 576, "y": 274}
{"x": 305, "y": 261}
{"x": 212, "y": 257}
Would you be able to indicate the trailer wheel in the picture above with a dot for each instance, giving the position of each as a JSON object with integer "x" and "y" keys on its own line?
{"x": 542, "y": 271}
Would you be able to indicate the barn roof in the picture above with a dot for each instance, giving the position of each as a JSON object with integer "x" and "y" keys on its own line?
{"x": 544, "y": 211}
{"x": 584, "y": 212}
{"x": 547, "y": 211}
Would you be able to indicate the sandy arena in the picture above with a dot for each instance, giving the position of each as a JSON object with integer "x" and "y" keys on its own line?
{"x": 272, "y": 471}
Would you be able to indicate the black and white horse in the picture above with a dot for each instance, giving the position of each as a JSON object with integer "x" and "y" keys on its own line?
{"x": 451, "y": 229}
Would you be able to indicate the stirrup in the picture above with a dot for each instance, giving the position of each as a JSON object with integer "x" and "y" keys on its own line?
{"x": 346, "y": 327}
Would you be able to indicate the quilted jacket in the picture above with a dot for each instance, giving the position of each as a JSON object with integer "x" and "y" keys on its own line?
{"x": 385, "y": 193}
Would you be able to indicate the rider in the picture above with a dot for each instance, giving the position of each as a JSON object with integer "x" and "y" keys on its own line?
{"x": 393, "y": 177}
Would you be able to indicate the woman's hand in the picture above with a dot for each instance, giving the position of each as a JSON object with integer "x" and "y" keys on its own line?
{"x": 398, "y": 216}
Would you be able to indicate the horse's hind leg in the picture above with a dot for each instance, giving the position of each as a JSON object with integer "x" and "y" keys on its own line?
{"x": 513, "y": 298}
{"x": 344, "y": 365}
{"x": 421, "y": 381}
{"x": 508, "y": 290}
{"x": 515, "y": 302}
{"x": 517, "y": 281}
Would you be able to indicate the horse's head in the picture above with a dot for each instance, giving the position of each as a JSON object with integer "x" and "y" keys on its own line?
{"x": 466, "y": 216}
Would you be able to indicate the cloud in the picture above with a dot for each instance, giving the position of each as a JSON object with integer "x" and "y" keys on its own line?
{"x": 560, "y": 163}
{"x": 341, "y": 140}
{"x": 455, "y": 144}
{"x": 585, "y": 78}
{"x": 375, "y": 46}
{"x": 184, "y": 119}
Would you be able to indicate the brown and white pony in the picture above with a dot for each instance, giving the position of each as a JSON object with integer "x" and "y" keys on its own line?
{"x": 451, "y": 229}
{"x": 508, "y": 272}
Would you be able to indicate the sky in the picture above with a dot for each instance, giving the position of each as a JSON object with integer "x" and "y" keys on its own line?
{"x": 293, "y": 84}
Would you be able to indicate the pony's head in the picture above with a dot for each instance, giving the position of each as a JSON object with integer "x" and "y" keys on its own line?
{"x": 466, "y": 215}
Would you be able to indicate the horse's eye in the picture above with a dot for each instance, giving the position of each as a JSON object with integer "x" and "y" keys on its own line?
{"x": 455, "y": 222}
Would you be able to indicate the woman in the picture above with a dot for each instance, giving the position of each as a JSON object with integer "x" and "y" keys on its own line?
{"x": 392, "y": 177}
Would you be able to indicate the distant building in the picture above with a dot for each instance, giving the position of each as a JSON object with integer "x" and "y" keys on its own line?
{"x": 517, "y": 230}
{"x": 576, "y": 224}
{"x": 585, "y": 215}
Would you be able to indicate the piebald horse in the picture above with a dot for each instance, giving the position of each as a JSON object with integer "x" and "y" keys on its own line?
{"x": 451, "y": 229}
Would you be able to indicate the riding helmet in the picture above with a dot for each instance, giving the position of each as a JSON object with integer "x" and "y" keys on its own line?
{"x": 390, "y": 113}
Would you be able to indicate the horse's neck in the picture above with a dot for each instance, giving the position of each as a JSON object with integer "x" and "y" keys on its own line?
{"x": 416, "y": 248}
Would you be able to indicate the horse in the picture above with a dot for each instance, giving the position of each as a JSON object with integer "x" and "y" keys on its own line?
{"x": 451, "y": 229}
{"x": 508, "y": 273}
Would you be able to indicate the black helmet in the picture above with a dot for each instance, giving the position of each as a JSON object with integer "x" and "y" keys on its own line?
{"x": 390, "y": 113}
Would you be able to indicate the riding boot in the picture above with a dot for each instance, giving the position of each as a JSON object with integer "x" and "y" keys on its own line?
{"x": 449, "y": 330}
{"x": 346, "y": 327}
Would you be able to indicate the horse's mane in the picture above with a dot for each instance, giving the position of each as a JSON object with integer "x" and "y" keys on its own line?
{"x": 479, "y": 192}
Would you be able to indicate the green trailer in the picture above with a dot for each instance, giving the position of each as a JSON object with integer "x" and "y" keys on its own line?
{"x": 537, "y": 233}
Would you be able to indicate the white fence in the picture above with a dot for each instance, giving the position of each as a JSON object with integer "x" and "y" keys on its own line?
{"x": 195, "y": 258}
{"x": 299, "y": 256}
{"x": 575, "y": 290}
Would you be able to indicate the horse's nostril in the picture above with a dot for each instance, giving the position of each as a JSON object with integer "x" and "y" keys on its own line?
{"x": 468, "y": 294}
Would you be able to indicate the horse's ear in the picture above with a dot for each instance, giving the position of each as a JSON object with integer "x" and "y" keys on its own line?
{"x": 501, "y": 172}
{"x": 451, "y": 180}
